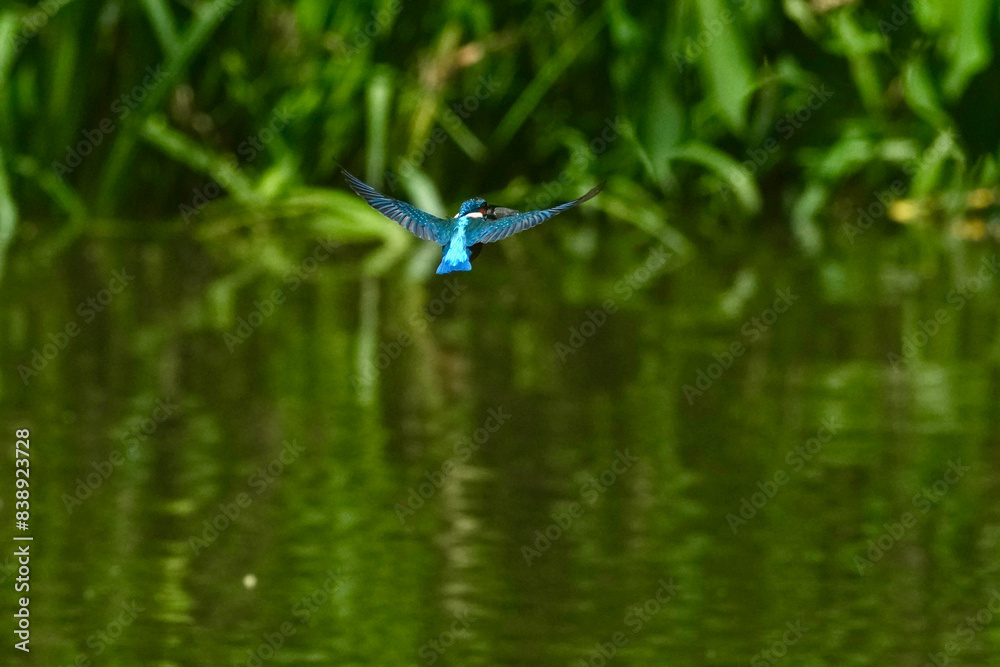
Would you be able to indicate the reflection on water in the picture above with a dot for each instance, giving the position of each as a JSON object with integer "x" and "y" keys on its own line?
{"x": 715, "y": 462}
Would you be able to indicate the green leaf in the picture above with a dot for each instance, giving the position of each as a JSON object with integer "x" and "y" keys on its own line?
{"x": 546, "y": 78}
{"x": 728, "y": 169}
{"x": 968, "y": 45}
{"x": 726, "y": 67}
{"x": 920, "y": 94}
{"x": 859, "y": 45}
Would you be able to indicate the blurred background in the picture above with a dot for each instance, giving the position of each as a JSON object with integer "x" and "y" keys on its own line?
{"x": 741, "y": 408}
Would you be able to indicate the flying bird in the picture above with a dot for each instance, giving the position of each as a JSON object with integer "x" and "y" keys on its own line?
{"x": 475, "y": 223}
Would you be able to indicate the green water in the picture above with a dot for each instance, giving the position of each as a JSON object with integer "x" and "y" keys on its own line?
{"x": 711, "y": 460}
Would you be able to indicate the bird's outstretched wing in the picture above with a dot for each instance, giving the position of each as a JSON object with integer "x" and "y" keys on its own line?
{"x": 412, "y": 219}
{"x": 486, "y": 230}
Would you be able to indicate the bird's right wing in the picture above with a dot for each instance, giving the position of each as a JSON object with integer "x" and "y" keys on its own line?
{"x": 412, "y": 219}
{"x": 486, "y": 230}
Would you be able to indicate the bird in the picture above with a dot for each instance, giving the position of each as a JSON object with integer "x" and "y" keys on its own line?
{"x": 463, "y": 236}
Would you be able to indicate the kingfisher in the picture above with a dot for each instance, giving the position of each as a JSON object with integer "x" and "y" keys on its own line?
{"x": 463, "y": 236}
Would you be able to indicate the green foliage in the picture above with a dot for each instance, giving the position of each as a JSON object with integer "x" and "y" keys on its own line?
{"x": 111, "y": 108}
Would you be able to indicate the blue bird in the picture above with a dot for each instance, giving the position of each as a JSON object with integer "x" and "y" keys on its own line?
{"x": 475, "y": 223}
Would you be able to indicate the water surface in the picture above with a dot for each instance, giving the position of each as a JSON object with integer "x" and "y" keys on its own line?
{"x": 725, "y": 460}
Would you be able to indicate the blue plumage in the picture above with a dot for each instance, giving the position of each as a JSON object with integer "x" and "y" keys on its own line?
{"x": 422, "y": 225}
{"x": 475, "y": 224}
{"x": 470, "y": 205}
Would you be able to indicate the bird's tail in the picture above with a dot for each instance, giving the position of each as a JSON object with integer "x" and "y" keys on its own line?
{"x": 456, "y": 258}
{"x": 447, "y": 266}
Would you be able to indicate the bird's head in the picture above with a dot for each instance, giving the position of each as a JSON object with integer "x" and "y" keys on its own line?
{"x": 474, "y": 208}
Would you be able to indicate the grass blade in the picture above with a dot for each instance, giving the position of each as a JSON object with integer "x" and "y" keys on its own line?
{"x": 548, "y": 75}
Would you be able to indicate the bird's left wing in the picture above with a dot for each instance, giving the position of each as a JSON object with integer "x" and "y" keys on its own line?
{"x": 486, "y": 230}
{"x": 412, "y": 219}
